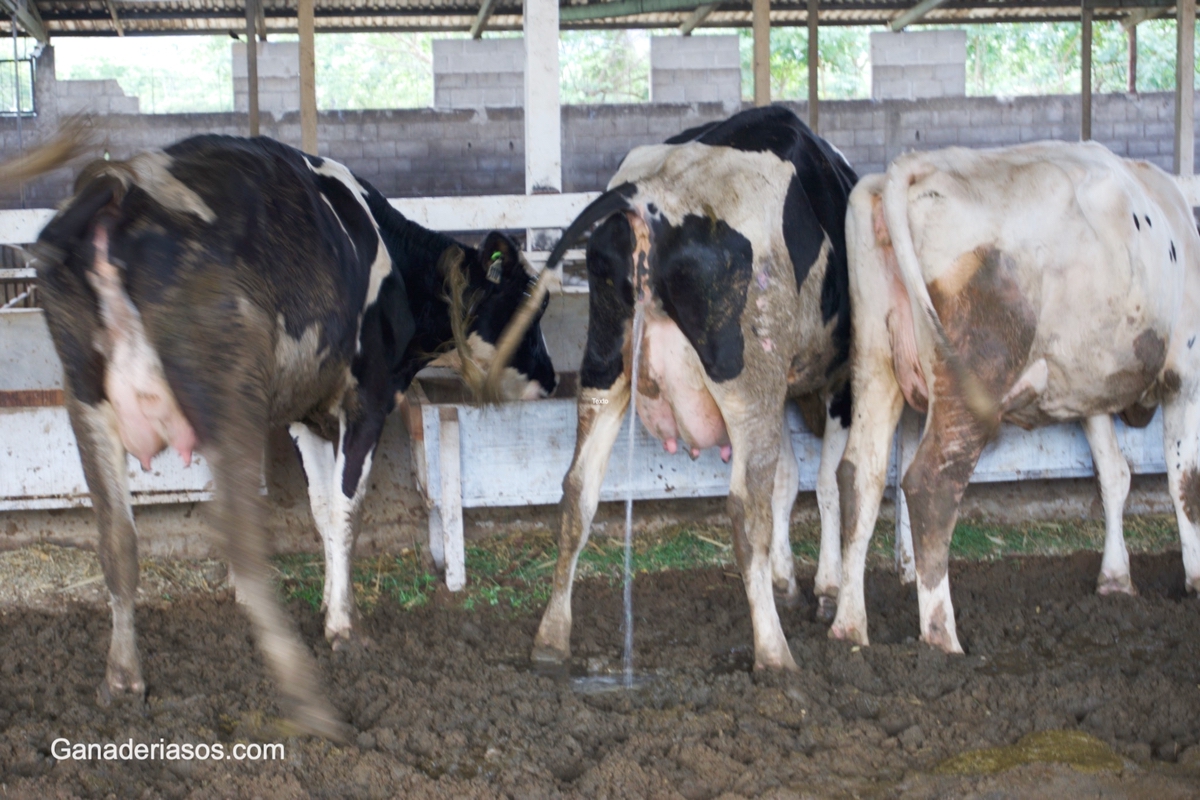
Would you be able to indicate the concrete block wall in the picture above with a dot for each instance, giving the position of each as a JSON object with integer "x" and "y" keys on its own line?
{"x": 95, "y": 97}
{"x": 916, "y": 64}
{"x": 478, "y": 73}
{"x": 695, "y": 69}
{"x": 278, "y": 77}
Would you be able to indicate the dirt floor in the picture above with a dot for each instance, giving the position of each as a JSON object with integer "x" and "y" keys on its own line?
{"x": 446, "y": 706}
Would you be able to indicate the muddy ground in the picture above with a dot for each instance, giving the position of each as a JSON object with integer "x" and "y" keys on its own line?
{"x": 445, "y": 705}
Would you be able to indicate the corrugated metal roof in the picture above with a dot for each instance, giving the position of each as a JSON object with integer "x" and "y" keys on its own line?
{"x": 95, "y": 17}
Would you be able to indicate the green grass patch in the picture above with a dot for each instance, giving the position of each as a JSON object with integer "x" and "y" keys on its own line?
{"x": 514, "y": 573}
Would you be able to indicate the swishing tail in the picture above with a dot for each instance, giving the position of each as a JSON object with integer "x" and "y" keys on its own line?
{"x": 895, "y": 207}
{"x": 73, "y": 139}
{"x": 602, "y": 207}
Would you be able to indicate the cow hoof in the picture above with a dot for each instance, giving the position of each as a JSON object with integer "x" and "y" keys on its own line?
{"x": 847, "y": 634}
{"x": 350, "y": 641}
{"x": 548, "y": 657}
{"x": 784, "y": 663}
{"x": 319, "y": 719}
{"x": 826, "y": 609}
{"x": 1115, "y": 584}
{"x": 788, "y": 597}
{"x": 946, "y": 644}
{"x": 112, "y": 691}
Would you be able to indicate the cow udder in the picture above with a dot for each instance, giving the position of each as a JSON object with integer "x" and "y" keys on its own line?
{"x": 673, "y": 400}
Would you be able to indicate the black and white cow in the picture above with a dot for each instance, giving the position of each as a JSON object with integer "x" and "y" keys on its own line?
{"x": 1033, "y": 284}
{"x": 199, "y": 295}
{"x": 730, "y": 237}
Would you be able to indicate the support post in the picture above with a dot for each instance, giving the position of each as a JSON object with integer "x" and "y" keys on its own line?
{"x": 252, "y": 66}
{"x": 543, "y": 114}
{"x": 761, "y": 13}
{"x": 1085, "y": 46}
{"x": 1185, "y": 87}
{"x": 451, "y": 532}
{"x": 308, "y": 77}
{"x": 1133, "y": 48}
{"x": 813, "y": 65}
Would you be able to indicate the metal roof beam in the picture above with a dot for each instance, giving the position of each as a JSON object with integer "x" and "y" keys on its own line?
{"x": 623, "y": 8}
{"x": 112, "y": 9}
{"x": 914, "y": 14}
{"x": 27, "y": 15}
{"x": 485, "y": 13}
{"x": 699, "y": 15}
{"x": 1143, "y": 15}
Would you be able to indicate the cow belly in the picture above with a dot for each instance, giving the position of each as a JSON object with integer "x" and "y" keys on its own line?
{"x": 673, "y": 400}
{"x": 148, "y": 416}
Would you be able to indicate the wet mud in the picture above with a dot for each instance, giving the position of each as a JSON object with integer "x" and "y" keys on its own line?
{"x": 444, "y": 703}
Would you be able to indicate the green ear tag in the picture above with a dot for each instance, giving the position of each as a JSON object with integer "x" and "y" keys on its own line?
{"x": 494, "y": 268}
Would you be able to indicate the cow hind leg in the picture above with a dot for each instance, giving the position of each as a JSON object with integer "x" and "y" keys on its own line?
{"x": 1181, "y": 441}
{"x": 934, "y": 486}
{"x": 1112, "y": 472}
{"x": 104, "y": 466}
{"x": 827, "y": 584}
{"x": 600, "y": 414}
{"x": 235, "y": 453}
{"x": 861, "y": 477}
{"x": 787, "y": 483}
{"x": 755, "y": 428}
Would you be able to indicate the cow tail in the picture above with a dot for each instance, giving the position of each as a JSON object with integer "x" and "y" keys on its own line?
{"x": 602, "y": 207}
{"x": 978, "y": 399}
{"x": 73, "y": 139}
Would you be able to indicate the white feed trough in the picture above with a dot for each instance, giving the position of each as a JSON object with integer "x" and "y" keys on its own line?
{"x": 39, "y": 465}
{"x": 470, "y": 456}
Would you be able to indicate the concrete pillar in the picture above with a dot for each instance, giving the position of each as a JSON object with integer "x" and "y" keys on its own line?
{"x": 252, "y": 66}
{"x": 696, "y": 69}
{"x": 1185, "y": 87}
{"x": 917, "y": 64}
{"x": 1085, "y": 71}
{"x": 543, "y": 115}
{"x": 761, "y": 20}
{"x": 478, "y": 73}
{"x": 308, "y": 77}
{"x": 813, "y": 65}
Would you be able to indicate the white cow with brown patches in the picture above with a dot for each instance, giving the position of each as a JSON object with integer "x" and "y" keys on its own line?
{"x": 1033, "y": 284}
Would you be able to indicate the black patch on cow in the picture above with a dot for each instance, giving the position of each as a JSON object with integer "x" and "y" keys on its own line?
{"x": 1147, "y": 221}
{"x": 815, "y": 205}
{"x": 701, "y": 270}
{"x": 840, "y": 405}
{"x": 1172, "y": 252}
{"x": 610, "y": 301}
{"x": 1136, "y": 223}
{"x": 757, "y": 130}
{"x": 692, "y": 134}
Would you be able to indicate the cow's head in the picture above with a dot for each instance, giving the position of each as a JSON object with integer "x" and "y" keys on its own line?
{"x": 524, "y": 321}
{"x": 486, "y": 288}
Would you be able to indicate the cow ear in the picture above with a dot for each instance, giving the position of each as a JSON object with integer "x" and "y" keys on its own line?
{"x": 498, "y": 255}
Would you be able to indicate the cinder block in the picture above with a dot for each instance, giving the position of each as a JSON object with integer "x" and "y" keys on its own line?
{"x": 920, "y": 72}
{"x": 668, "y": 93}
{"x": 1141, "y": 148}
{"x": 1109, "y": 112}
{"x": 123, "y": 105}
{"x": 344, "y": 150}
